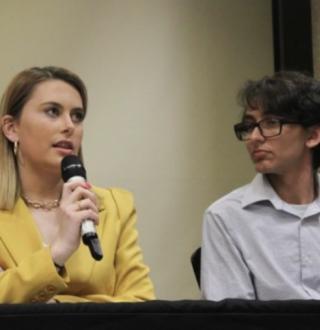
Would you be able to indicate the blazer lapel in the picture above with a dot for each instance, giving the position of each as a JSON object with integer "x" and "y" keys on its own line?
{"x": 20, "y": 236}
{"x": 18, "y": 232}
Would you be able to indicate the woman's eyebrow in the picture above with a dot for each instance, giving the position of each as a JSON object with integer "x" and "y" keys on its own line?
{"x": 51, "y": 103}
{"x": 58, "y": 105}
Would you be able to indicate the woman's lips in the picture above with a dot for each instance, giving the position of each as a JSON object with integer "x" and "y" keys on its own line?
{"x": 64, "y": 145}
{"x": 64, "y": 148}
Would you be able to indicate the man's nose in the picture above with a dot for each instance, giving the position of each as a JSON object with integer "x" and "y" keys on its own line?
{"x": 256, "y": 134}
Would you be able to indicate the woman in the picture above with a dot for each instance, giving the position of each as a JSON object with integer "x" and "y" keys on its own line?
{"x": 42, "y": 258}
{"x": 262, "y": 241}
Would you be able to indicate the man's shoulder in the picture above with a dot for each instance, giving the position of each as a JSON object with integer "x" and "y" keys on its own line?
{"x": 229, "y": 202}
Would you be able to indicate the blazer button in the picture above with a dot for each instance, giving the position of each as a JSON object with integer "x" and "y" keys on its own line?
{"x": 51, "y": 288}
{"x": 42, "y": 296}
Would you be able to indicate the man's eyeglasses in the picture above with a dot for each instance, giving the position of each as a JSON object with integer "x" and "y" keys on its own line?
{"x": 268, "y": 127}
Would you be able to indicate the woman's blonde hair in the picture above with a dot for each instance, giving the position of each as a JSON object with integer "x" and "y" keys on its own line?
{"x": 13, "y": 100}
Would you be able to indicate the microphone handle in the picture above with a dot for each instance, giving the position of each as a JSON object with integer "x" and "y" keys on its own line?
{"x": 90, "y": 238}
{"x": 92, "y": 241}
{"x": 88, "y": 231}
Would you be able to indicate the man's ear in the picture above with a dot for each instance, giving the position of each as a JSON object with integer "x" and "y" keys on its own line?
{"x": 313, "y": 136}
{"x": 9, "y": 128}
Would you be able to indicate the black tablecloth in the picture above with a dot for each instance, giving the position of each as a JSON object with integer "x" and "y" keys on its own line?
{"x": 160, "y": 314}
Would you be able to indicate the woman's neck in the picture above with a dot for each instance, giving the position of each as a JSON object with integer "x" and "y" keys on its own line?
{"x": 295, "y": 188}
{"x": 40, "y": 186}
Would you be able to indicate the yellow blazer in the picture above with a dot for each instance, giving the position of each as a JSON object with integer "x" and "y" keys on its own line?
{"x": 29, "y": 274}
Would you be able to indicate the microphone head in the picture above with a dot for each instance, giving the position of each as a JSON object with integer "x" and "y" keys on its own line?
{"x": 71, "y": 166}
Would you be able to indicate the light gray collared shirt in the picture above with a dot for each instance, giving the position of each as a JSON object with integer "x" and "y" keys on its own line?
{"x": 256, "y": 246}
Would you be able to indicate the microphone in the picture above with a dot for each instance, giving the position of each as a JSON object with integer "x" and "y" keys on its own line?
{"x": 73, "y": 170}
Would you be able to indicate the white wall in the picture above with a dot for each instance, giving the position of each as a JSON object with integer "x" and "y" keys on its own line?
{"x": 162, "y": 77}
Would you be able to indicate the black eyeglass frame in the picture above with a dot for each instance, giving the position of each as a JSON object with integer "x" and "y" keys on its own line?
{"x": 239, "y": 128}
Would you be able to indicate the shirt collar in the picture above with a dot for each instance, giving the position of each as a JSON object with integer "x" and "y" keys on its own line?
{"x": 260, "y": 190}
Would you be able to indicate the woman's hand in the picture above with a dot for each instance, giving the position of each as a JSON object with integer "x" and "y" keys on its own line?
{"x": 77, "y": 203}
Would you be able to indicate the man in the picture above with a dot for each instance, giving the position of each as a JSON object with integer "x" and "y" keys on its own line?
{"x": 262, "y": 241}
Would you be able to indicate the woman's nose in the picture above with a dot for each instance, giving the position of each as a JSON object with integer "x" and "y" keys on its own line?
{"x": 68, "y": 124}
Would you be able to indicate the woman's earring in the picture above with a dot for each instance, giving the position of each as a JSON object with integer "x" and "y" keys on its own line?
{"x": 15, "y": 147}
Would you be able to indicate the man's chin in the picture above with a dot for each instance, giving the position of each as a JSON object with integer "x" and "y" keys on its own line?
{"x": 263, "y": 168}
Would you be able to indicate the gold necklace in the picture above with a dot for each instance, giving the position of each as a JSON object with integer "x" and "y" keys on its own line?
{"x": 48, "y": 206}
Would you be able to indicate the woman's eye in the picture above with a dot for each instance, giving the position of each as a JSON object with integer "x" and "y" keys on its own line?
{"x": 77, "y": 116}
{"x": 52, "y": 111}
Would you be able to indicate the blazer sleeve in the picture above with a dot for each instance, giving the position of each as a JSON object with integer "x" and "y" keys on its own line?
{"x": 132, "y": 275}
{"x": 35, "y": 279}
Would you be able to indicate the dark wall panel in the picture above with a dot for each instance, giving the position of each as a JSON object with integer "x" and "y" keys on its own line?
{"x": 292, "y": 35}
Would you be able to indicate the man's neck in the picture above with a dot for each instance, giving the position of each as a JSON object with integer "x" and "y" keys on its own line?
{"x": 295, "y": 188}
